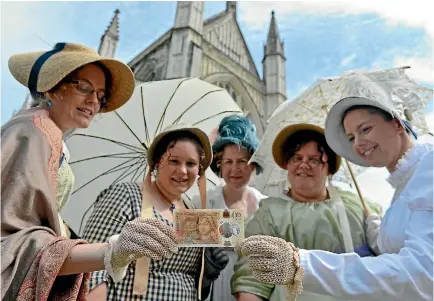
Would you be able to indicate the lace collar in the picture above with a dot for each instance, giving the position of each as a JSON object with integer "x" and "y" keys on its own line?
{"x": 407, "y": 163}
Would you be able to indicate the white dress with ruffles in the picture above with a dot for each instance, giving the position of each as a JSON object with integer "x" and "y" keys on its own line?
{"x": 404, "y": 270}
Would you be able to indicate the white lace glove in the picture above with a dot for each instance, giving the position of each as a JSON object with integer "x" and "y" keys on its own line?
{"x": 273, "y": 261}
{"x": 139, "y": 238}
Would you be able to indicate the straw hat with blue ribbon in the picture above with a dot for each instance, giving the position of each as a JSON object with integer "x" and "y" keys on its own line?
{"x": 41, "y": 71}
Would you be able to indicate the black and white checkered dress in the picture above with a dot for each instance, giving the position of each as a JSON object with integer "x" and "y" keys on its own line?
{"x": 170, "y": 279}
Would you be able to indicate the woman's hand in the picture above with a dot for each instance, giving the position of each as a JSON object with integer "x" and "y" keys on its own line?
{"x": 139, "y": 238}
{"x": 272, "y": 259}
{"x": 216, "y": 260}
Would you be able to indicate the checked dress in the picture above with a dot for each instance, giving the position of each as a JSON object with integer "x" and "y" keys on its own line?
{"x": 169, "y": 279}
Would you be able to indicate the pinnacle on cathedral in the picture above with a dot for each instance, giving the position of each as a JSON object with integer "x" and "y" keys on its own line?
{"x": 110, "y": 38}
{"x": 274, "y": 44}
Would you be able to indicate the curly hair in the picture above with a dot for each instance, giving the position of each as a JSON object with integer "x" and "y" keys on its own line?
{"x": 301, "y": 138}
{"x": 213, "y": 226}
{"x": 169, "y": 141}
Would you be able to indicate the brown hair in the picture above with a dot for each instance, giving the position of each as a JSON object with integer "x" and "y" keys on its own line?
{"x": 169, "y": 141}
{"x": 295, "y": 142}
{"x": 371, "y": 109}
{"x": 218, "y": 156}
{"x": 376, "y": 111}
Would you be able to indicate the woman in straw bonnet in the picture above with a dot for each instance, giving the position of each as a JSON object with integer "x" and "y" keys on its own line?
{"x": 310, "y": 214}
{"x": 73, "y": 84}
{"x": 234, "y": 143}
{"x": 369, "y": 127}
{"x": 176, "y": 158}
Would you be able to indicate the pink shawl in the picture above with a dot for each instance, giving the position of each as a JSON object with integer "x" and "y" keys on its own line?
{"x": 32, "y": 251}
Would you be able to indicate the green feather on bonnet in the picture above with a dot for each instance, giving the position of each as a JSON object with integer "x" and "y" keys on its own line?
{"x": 236, "y": 130}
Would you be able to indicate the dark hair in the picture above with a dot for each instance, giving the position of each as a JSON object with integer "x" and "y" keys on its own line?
{"x": 377, "y": 111}
{"x": 169, "y": 141}
{"x": 295, "y": 142}
{"x": 108, "y": 81}
{"x": 371, "y": 109}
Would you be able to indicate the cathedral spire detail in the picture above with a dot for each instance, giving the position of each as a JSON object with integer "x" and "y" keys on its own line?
{"x": 110, "y": 38}
{"x": 231, "y": 6}
{"x": 274, "y": 44}
{"x": 113, "y": 28}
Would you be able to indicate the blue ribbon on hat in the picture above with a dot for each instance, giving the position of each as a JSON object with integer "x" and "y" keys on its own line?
{"x": 410, "y": 128}
{"x": 34, "y": 73}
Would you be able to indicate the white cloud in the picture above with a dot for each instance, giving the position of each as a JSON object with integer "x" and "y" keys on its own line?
{"x": 421, "y": 67}
{"x": 411, "y": 13}
{"x": 348, "y": 59}
{"x": 430, "y": 121}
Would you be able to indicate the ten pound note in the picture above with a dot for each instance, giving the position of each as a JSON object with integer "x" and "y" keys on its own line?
{"x": 209, "y": 227}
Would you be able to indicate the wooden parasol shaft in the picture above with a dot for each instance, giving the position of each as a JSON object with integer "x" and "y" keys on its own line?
{"x": 366, "y": 210}
{"x": 202, "y": 192}
{"x": 365, "y": 207}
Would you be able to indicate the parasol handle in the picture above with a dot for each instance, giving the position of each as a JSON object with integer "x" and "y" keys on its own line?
{"x": 365, "y": 207}
{"x": 366, "y": 210}
{"x": 202, "y": 192}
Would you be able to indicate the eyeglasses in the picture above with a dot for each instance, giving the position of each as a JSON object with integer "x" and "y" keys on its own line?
{"x": 313, "y": 162}
{"x": 86, "y": 89}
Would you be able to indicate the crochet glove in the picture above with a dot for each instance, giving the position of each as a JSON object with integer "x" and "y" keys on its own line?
{"x": 139, "y": 238}
{"x": 216, "y": 260}
{"x": 273, "y": 261}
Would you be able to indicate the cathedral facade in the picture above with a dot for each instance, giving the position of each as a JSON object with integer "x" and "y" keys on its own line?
{"x": 215, "y": 51}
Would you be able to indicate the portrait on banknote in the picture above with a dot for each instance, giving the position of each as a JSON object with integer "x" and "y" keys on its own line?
{"x": 208, "y": 227}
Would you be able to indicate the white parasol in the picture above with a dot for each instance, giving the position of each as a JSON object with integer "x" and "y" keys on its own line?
{"x": 113, "y": 149}
{"x": 313, "y": 105}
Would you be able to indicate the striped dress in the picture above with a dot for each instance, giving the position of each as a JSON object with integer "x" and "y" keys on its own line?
{"x": 169, "y": 279}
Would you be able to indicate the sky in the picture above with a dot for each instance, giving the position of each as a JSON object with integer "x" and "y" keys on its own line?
{"x": 321, "y": 39}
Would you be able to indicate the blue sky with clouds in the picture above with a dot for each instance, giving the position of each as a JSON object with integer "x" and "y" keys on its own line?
{"x": 320, "y": 40}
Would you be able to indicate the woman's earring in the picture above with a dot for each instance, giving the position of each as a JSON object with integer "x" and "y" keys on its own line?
{"x": 155, "y": 172}
{"x": 49, "y": 103}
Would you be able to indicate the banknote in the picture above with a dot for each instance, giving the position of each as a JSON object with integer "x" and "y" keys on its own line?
{"x": 209, "y": 227}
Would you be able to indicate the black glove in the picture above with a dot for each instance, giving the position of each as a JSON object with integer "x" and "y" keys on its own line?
{"x": 216, "y": 260}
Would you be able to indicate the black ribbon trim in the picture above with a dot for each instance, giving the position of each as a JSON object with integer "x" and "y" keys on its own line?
{"x": 34, "y": 73}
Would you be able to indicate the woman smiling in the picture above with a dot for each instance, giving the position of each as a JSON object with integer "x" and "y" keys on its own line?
{"x": 176, "y": 157}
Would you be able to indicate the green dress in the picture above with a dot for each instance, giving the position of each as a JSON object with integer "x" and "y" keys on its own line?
{"x": 308, "y": 226}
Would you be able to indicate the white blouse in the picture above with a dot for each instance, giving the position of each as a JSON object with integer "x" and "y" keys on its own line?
{"x": 404, "y": 270}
